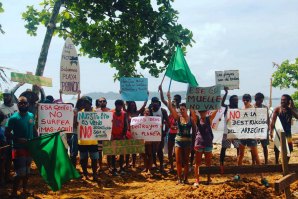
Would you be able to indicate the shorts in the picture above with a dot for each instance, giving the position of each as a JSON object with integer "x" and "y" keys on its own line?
{"x": 183, "y": 144}
{"x": 205, "y": 149}
{"x": 249, "y": 142}
{"x": 92, "y": 150}
{"x": 171, "y": 137}
{"x": 22, "y": 166}
{"x": 227, "y": 143}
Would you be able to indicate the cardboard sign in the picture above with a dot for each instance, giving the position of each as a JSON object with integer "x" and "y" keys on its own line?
{"x": 31, "y": 79}
{"x": 134, "y": 89}
{"x": 228, "y": 78}
{"x": 69, "y": 69}
{"x": 247, "y": 124}
{"x": 204, "y": 98}
{"x": 55, "y": 117}
{"x": 95, "y": 125}
{"x": 120, "y": 147}
{"x": 147, "y": 128}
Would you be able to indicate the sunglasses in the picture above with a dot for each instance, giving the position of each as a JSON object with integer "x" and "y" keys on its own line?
{"x": 101, "y": 101}
{"x": 246, "y": 100}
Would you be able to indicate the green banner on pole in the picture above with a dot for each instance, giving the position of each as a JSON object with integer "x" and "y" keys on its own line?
{"x": 31, "y": 79}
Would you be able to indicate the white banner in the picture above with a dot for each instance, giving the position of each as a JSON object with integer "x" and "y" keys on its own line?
{"x": 247, "y": 124}
{"x": 55, "y": 117}
{"x": 95, "y": 125}
{"x": 147, "y": 128}
{"x": 228, "y": 78}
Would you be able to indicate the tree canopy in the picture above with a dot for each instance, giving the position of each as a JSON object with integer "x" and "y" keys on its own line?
{"x": 1, "y": 10}
{"x": 128, "y": 34}
{"x": 286, "y": 76}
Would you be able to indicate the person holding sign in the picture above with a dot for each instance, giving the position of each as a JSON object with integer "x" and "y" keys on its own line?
{"x": 148, "y": 150}
{"x": 259, "y": 97}
{"x": 233, "y": 104}
{"x": 156, "y": 110}
{"x": 203, "y": 143}
{"x": 173, "y": 125}
{"x": 251, "y": 143}
{"x": 132, "y": 111}
{"x": 284, "y": 112}
{"x": 119, "y": 130}
{"x": 88, "y": 146}
{"x": 183, "y": 138}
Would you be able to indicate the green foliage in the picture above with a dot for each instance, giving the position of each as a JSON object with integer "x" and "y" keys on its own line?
{"x": 286, "y": 76}
{"x": 1, "y": 10}
{"x": 126, "y": 34}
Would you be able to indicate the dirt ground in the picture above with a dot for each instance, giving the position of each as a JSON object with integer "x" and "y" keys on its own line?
{"x": 135, "y": 184}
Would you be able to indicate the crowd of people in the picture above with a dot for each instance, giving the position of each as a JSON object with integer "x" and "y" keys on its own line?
{"x": 189, "y": 135}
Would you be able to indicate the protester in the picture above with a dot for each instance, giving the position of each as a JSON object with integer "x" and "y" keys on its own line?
{"x": 233, "y": 104}
{"x": 156, "y": 110}
{"x": 20, "y": 128}
{"x": 119, "y": 129}
{"x": 183, "y": 139}
{"x": 203, "y": 143}
{"x": 259, "y": 98}
{"x": 251, "y": 143}
{"x": 132, "y": 111}
{"x": 148, "y": 150}
{"x": 3, "y": 150}
{"x": 8, "y": 108}
{"x": 173, "y": 127}
{"x": 285, "y": 112}
{"x": 101, "y": 106}
{"x": 88, "y": 146}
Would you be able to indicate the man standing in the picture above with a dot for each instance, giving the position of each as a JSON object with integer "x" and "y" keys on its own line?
{"x": 101, "y": 106}
{"x": 259, "y": 97}
{"x": 8, "y": 108}
{"x": 284, "y": 112}
{"x": 119, "y": 129}
{"x": 20, "y": 128}
{"x": 156, "y": 110}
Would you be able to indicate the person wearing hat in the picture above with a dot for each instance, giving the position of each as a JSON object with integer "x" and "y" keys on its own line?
{"x": 8, "y": 108}
{"x": 88, "y": 147}
{"x": 156, "y": 110}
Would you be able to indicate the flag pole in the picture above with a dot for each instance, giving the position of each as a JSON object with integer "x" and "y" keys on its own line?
{"x": 173, "y": 68}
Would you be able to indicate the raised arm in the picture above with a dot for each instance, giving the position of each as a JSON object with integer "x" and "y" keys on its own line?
{"x": 161, "y": 96}
{"x": 170, "y": 107}
{"x": 143, "y": 107}
{"x": 224, "y": 97}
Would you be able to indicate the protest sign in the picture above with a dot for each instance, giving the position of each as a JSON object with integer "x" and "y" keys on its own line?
{"x": 228, "y": 78}
{"x": 69, "y": 69}
{"x": 147, "y": 128}
{"x": 134, "y": 89}
{"x": 55, "y": 117}
{"x": 247, "y": 124}
{"x": 95, "y": 125}
{"x": 31, "y": 79}
{"x": 204, "y": 98}
{"x": 120, "y": 147}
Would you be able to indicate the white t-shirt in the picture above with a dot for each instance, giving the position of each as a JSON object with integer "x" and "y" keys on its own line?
{"x": 8, "y": 111}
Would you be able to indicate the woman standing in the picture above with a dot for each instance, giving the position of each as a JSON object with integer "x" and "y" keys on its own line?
{"x": 183, "y": 138}
{"x": 203, "y": 143}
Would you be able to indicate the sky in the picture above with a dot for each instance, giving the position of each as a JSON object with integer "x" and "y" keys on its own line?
{"x": 246, "y": 35}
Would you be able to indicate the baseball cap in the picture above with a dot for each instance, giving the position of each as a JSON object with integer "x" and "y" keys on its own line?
{"x": 154, "y": 99}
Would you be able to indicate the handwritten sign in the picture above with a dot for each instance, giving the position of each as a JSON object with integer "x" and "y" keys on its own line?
{"x": 147, "y": 128}
{"x": 31, "y": 79}
{"x": 55, "y": 117}
{"x": 69, "y": 69}
{"x": 247, "y": 124}
{"x": 134, "y": 89}
{"x": 120, "y": 147}
{"x": 95, "y": 125}
{"x": 228, "y": 78}
{"x": 204, "y": 98}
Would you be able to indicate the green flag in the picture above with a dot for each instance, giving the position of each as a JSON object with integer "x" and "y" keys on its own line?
{"x": 178, "y": 69}
{"x": 53, "y": 163}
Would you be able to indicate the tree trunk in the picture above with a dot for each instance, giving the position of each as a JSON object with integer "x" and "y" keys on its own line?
{"x": 47, "y": 41}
